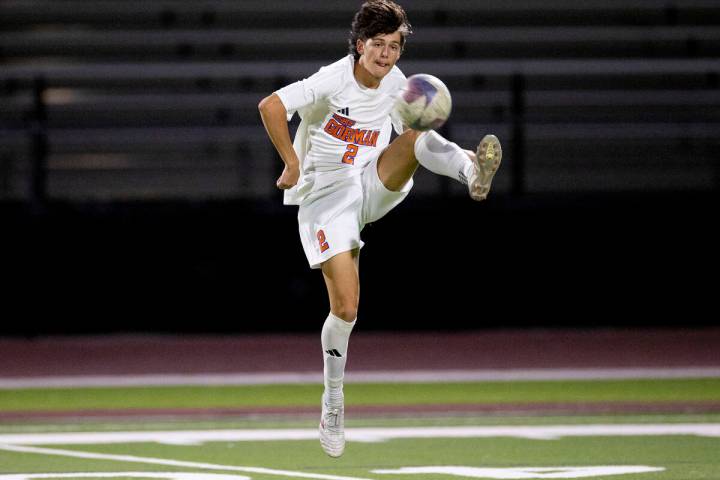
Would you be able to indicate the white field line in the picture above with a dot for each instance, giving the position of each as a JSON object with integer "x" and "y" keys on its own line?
{"x": 172, "y": 463}
{"x": 197, "y": 437}
{"x": 524, "y": 472}
{"x": 143, "y": 475}
{"x": 390, "y": 376}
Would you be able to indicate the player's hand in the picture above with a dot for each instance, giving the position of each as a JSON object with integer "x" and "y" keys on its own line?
{"x": 289, "y": 178}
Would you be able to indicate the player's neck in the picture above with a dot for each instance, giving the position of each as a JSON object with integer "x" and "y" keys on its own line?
{"x": 364, "y": 77}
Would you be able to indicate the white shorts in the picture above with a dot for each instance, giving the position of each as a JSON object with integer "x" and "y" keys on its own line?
{"x": 331, "y": 223}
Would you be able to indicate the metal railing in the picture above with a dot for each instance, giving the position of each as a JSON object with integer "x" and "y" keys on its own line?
{"x": 515, "y": 122}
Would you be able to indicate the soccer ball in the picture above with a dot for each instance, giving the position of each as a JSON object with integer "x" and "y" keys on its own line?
{"x": 424, "y": 102}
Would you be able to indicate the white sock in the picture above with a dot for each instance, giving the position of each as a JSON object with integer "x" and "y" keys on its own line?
{"x": 443, "y": 157}
{"x": 335, "y": 335}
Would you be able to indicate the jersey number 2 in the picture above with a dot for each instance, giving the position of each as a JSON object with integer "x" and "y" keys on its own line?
{"x": 349, "y": 156}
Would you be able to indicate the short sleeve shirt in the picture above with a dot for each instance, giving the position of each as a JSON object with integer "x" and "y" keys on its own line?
{"x": 343, "y": 124}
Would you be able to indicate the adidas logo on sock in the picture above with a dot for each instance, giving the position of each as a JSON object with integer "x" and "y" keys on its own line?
{"x": 463, "y": 179}
{"x": 333, "y": 353}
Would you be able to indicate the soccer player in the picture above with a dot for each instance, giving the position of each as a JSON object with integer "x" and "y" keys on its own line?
{"x": 344, "y": 173}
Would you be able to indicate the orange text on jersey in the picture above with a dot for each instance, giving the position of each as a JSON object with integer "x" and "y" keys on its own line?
{"x": 341, "y": 128}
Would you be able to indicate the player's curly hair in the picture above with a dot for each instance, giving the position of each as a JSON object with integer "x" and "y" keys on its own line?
{"x": 378, "y": 17}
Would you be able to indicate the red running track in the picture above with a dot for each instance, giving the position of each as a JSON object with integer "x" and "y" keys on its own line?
{"x": 369, "y": 351}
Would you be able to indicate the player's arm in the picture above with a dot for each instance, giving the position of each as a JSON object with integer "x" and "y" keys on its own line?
{"x": 274, "y": 117}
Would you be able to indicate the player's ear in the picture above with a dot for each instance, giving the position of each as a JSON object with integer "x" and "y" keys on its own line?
{"x": 360, "y": 46}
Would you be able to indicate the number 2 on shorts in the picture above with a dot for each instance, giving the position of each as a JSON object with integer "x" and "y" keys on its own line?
{"x": 349, "y": 156}
{"x": 321, "y": 240}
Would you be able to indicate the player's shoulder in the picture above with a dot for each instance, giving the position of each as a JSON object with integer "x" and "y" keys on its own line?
{"x": 395, "y": 77}
{"x": 340, "y": 68}
{"x": 396, "y": 72}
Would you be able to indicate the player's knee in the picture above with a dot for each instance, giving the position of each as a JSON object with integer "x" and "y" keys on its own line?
{"x": 412, "y": 135}
{"x": 347, "y": 314}
{"x": 346, "y": 309}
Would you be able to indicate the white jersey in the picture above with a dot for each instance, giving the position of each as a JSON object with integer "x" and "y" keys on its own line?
{"x": 343, "y": 124}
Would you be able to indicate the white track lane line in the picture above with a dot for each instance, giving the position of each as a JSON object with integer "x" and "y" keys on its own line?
{"x": 171, "y": 463}
{"x": 394, "y": 376}
{"x": 198, "y": 437}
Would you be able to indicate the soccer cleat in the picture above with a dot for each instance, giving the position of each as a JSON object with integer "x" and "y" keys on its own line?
{"x": 332, "y": 426}
{"x": 486, "y": 164}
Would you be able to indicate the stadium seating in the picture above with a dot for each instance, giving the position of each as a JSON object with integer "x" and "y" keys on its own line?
{"x": 146, "y": 100}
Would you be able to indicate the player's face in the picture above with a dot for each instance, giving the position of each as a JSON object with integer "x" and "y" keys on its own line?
{"x": 379, "y": 54}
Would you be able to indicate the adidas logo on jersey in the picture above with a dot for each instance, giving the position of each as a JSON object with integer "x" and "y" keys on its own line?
{"x": 333, "y": 353}
{"x": 344, "y": 111}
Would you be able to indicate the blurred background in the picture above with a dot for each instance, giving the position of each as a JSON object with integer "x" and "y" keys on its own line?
{"x": 137, "y": 183}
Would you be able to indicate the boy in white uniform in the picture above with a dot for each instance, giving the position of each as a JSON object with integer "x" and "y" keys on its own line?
{"x": 343, "y": 172}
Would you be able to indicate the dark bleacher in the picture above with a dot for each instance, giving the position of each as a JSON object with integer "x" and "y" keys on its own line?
{"x": 148, "y": 100}
{"x": 137, "y": 183}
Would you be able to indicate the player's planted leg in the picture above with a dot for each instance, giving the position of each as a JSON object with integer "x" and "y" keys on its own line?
{"x": 332, "y": 424}
{"x": 335, "y": 336}
{"x": 342, "y": 281}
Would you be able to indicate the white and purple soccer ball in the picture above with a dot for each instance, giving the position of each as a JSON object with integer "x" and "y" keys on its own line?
{"x": 424, "y": 102}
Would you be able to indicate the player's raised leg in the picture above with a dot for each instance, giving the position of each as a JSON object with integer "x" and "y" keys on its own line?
{"x": 342, "y": 279}
{"x": 444, "y": 157}
{"x": 486, "y": 162}
{"x": 398, "y": 162}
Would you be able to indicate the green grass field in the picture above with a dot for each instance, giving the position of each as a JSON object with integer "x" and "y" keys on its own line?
{"x": 674, "y": 390}
{"x": 437, "y": 446}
